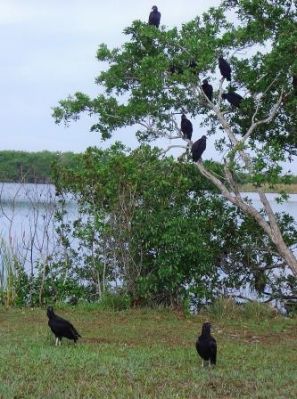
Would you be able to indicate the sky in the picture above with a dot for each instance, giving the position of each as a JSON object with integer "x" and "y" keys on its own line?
{"x": 48, "y": 52}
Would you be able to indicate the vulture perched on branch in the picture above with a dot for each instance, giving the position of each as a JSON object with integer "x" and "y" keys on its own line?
{"x": 225, "y": 68}
{"x": 186, "y": 127}
{"x": 233, "y": 98}
{"x": 208, "y": 89}
{"x": 198, "y": 148}
{"x": 155, "y": 17}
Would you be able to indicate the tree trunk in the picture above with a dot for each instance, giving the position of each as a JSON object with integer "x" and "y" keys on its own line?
{"x": 271, "y": 227}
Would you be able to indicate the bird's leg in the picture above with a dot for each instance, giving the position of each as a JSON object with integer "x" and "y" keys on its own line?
{"x": 57, "y": 339}
{"x": 60, "y": 342}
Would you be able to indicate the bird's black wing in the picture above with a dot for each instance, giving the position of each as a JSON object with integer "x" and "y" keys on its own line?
{"x": 60, "y": 326}
{"x": 225, "y": 69}
{"x": 158, "y": 18}
{"x": 151, "y": 18}
{"x": 75, "y": 331}
{"x": 72, "y": 328}
{"x": 213, "y": 350}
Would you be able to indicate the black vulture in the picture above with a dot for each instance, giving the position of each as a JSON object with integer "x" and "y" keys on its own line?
{"x": 225, "y": 68}
{"x": 208, "y": 89}
{"x": 155, "y": 17}
{"x": 206, "y": 346}
{"x": 61, "y": 327}
{"x": 233, "y": 98}
{"x": 186, "y": 127}
{"x": 198, "y": 148}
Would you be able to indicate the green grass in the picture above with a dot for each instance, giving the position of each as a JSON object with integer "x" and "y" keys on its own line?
{"x": 147, "y": 354}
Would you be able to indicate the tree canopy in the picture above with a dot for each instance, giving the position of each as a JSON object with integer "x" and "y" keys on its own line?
{"x": 151, "y": 75}
{"x": 31, "y": 167}
{"x": 157, "y": 73}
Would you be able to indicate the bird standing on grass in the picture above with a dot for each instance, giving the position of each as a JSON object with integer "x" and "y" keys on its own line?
{"x": 206, "y": 346}
{"x": 186, "y": 127}
{"x": 155, "y": 17}
{"x": 198, "y": 148}
{"x": 61, "y": 327}
{"x": 225, "y": 68}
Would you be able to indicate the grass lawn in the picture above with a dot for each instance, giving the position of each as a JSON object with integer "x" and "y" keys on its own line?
{"x": 147, "y": 354}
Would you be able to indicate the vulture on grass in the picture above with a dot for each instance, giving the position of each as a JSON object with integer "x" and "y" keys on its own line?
{"x": 61, "y": 327}
{"x": 206, "y": 346}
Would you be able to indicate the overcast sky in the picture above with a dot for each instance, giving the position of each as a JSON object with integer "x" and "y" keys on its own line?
{"x": 48, "y": 51}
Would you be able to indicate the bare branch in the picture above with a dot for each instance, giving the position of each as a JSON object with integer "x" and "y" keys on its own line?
{"x": 173, "y": 146}
{"x": 268, "y": 119}
{"x": 258, "y": 105}
{"x": 220, "y": 91}
{"x": 233, "y": 184}
{"x": 145, "y": 125}
{"x": 173, "y": 137}
{"x": 238, "y": 201}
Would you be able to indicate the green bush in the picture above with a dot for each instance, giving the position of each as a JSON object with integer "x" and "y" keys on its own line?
{"x": 223, "y": 308}
{"x": 115, "y": 301}
{"x": 257, "y": 311}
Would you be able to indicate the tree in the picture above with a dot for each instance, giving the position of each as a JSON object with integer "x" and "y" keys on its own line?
{"x": 150, "y": 230}
{"x": 147, "y": 222}
{"x": 158, "y": 73}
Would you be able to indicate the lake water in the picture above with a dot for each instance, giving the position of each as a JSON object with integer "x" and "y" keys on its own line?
{"x": 27, "y": 225}
{"x": 27, "y": 218}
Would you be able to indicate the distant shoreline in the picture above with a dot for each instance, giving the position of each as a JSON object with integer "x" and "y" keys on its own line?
{"x": 287, "y": 188}
{"x": 244, "y": 188}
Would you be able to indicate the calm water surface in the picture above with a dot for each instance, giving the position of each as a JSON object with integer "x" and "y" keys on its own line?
{"x": 27, "y": 212}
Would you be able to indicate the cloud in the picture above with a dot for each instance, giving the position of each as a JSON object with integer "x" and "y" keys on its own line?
{"x": 48, "y": 51}
{"x": 16, "y": 12}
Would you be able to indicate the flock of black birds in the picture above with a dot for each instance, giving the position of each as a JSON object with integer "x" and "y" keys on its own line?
{"x": 206, "y": 345}
{"x": 232, "y": 97}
